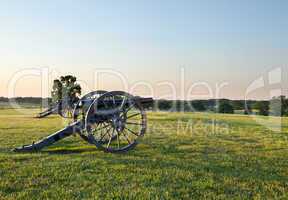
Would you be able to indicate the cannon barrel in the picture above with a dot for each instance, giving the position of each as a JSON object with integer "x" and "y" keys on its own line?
{"x": 145, "y": 102}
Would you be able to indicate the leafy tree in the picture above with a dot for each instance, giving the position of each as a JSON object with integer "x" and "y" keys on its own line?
{"x": 279, "y": 106}
{"x": 65, "y": 89}
{"x": 56, "y": 93}
{"x": 198, "y": 105}
{"x": 238, "y": 104}
{"x": 164, "y": 105}
{"x": 285, "y": 107}
{"x": 225, "y": 107}
{"x": 262, "y": 107}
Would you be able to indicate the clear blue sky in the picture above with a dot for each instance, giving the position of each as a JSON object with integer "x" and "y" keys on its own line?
{"x": 216, "y": 41}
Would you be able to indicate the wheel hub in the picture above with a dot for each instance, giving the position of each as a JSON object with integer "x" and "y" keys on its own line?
{"x": 118, "y": 123}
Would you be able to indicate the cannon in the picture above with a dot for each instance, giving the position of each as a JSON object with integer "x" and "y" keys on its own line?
{"x": 112, "y": 121}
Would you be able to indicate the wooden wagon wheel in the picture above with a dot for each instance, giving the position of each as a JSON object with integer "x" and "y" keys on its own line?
{"x": 115, "y": 115}
{"x": 82, "y": 106}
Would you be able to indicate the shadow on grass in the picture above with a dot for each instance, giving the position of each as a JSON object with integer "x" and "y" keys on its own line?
{"x": 70, "y": 151}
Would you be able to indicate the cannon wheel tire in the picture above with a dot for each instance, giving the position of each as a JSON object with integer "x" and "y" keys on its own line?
{"x": 80, "y": 112}
{"x": 124, "y": 119}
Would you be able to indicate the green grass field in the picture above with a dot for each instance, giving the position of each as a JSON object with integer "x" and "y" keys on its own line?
{"x": 182, "y": 156}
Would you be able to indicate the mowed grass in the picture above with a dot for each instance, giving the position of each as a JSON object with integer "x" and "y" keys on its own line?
{"x": 182, "y": 156}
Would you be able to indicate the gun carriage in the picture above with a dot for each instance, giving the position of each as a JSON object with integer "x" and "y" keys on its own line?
{"x": 112, "y": 121}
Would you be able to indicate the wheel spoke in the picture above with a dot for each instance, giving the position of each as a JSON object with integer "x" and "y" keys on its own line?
{"x": 110, "y": 139}
{"x": 102, "y": 136}
{"x": 107, "y": 127}
{"x": 131, "y": 131}
{"x": 129, "y": 108}
{"x": 102, "y": 127}
{"x": 123, "y": 102}
{"x": 126, "y": 137}
{"x": 133, "y": 115}
{"x": 97, "y": 125}
{"x": 101, "y": 130}
{"x": 133, "y": 123}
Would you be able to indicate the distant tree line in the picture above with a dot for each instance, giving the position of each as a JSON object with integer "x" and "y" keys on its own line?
{"x": 211, "y": 105}
{"x": 277, "y": 106}
{"x": 25, "y": 100}
{"x": 64, "y": 89}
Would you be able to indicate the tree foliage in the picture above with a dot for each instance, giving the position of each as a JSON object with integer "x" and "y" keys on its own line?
{"x": 262, "y": 107}
{"x": 65, "y": 89}
{"x": 225, "y": 107}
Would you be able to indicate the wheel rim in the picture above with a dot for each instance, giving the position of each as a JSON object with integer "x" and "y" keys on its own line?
{"x": 94, "y": 94}
{"x": 115, "y": 121}
{"x": 81, "y": 107}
